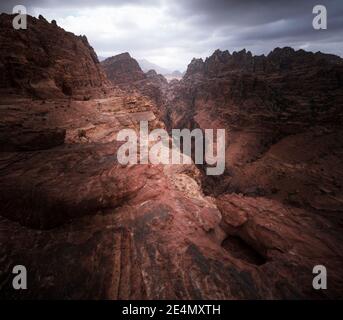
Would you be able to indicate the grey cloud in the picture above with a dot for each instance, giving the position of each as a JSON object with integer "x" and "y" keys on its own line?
{"x": 256, "y": 25}
{"x": 253, "y": 12}
{"x": 7, "y": 5}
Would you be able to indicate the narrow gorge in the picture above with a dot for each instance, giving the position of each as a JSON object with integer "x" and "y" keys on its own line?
{"x": 88, "y": 227}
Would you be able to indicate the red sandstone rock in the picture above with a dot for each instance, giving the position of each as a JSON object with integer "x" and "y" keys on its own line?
{"x": 87, "y": 227}
{"x": 47, "y": 62}
{"x": 283, "y": 149}
{"x": 122, "y": 69}
{"x": 259, "y": 101}
{"x": 125, "y": 72}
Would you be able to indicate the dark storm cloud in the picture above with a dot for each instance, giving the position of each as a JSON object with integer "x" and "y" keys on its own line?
{"x": 263, "y": 25}
{"x": 7, "y": 5}
{"x": 268, "y": 19}
{"x": 252, "y": 12}
{"x": 172, "y": 32}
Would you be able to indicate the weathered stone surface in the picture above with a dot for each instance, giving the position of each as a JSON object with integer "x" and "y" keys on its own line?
{"x": 87, "y": 227}
{"x": 261, "y": 102}
{"x": 45, "y": 189}
{"x": 125, "y": 72}
{"x": 283, "y": 156}
{"x": 47, "y": 62}
{"x": 122, "y": 69}
{"x": 30, "y": 139}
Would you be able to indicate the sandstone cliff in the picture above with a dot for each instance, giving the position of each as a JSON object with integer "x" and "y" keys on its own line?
{"x": 260, "y": 100}
{"x": 122, "y": 69}
{"x": 283, "y": 117}
{"x": 88, "y": 227}
{"x": 47, "y": 62}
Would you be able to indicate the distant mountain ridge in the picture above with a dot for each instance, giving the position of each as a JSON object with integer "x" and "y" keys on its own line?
{"x": 147, "y": 65}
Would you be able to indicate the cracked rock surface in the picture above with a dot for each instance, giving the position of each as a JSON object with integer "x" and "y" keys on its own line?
{"x": 87, "y": 227}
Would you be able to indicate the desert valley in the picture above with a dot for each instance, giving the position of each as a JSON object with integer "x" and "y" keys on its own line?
{"x": 87, "y": 227}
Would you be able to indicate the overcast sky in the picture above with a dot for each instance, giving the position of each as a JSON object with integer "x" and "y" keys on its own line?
{"x": 171, "y": 32}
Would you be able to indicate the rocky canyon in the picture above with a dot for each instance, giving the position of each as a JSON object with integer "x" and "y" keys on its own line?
{"x": 88, "y": 227}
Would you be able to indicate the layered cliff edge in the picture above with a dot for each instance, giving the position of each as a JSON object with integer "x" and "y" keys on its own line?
{"x": 266, "y": 103}
{"x": 124, "y": 71}
{"x": 45, "y": 61}
{"x": 283, "y": 117}
{"x": 88, "y": 227}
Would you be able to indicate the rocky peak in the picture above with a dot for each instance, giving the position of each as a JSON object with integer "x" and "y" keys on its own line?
{"x": 284, "y": 59}
{"x": 122, "y": 69}
{"x": 221, "y": 62}
{"x": 51, "y": 62}
{"x": 151, "y": 73}
{"x": 243, "y": 55}
{"x": 218, "y": 56}
{"x": 224, "y": 61}
{"x": 197, "y": 66}
{"x": 157, "y": 79}
{"x": 68, "y": 205}
{"x": 119, "y": 57}
{"x": 282, "y": 52}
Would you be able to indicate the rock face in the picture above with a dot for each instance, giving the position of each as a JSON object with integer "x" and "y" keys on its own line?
{"x": 261, "y": 101}
{"x": 125, "y": 72}
{"x": 74, "y": 206}
{"x": 122, "y": 69}
{"x": 88, "y": 227}
{"x": 155, "y": 86}
{"x": 47, "y": 62}
{"x": 283, "y": 119}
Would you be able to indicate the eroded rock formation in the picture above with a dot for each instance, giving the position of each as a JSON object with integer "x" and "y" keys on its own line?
{"x": 271, "y": 104}
{"x": 47, "y": 62}
{"x": 283, "y": 119}
{"x": 88, "y": 227}
{"x": 124, "y": 72}
{"x": 122, "y": 69}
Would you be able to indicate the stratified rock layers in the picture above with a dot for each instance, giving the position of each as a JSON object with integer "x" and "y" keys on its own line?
{"x": 283, "y": 119}
{"x": 47, "y": 62}
{"x": 122, "y": 69}
{"x": 87, "y": 227}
